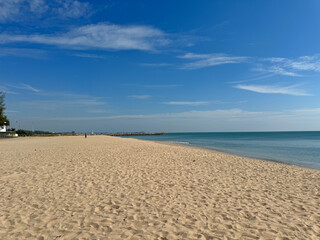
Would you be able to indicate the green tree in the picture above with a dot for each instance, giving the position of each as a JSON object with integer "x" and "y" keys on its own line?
{"x": 3, "y": 118}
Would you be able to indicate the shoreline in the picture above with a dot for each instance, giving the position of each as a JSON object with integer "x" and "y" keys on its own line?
{"x": 227, "y": 153}
{"x": 307, "y": 165}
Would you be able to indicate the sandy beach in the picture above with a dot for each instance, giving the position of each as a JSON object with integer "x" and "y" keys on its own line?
{"x": 114, "y": 188}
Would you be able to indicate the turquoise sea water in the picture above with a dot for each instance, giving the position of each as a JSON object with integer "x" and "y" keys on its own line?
{"x": 297, "y": 148}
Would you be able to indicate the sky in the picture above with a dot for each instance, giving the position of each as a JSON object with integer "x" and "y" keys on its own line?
{"x": 171, "y": 66}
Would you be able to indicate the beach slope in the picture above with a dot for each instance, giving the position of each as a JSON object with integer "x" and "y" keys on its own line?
{"x": 106, "y": 187}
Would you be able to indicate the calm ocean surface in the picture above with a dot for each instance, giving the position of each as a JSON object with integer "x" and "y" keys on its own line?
{"x": 297, "y": 148}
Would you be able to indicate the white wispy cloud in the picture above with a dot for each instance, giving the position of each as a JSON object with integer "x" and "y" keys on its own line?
{"x": 162, "y": 86}
{"x": 73, "y": 9}
{"x": 38, "y": 6}
{"x": 155, "y": 64}
{"x": 73, "y": 98}
{"x": 6, "y": 90}
{"x": 260, "y": 77}
{"x": 11, "y": 111}
{"x": 59, "y": 100}
{"x": 23, "y": 52}
{"x": 306, "y": 63}
{"x": 28, "y": 87}
{"x": 179, "y": 115}
{"x": 88, "y": 55}
{"x": 272, "y": 89}
{"x": 187, "y": 103}
{"x": 98, "y": 36}
{"x": 9, "y": 9}
{"x": 291, "y": 66}
{"x": 52, "y": 100}
{"x": 208, "y": 60}
{"x": 20, "y": 10}
{"x": 277, "y": 70}
{"x": 139, "y": 96}
{"x": 153, "y": 85}
{"x": 55, "y": 104}
{"x": 306, "y": 111}
{"x": 96, "y": 111}
{"x": 24, "y": 86}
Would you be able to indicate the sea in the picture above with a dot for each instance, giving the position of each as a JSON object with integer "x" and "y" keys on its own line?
{"x": 295, "y": 148}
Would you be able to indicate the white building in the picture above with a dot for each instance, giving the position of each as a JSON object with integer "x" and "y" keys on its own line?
{"x": 3, "y": 128}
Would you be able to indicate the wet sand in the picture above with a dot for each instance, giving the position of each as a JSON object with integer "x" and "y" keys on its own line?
{"x": 114, "y": 188}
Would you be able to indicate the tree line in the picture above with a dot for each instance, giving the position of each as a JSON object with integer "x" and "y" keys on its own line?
{"x": 3, "y": 118}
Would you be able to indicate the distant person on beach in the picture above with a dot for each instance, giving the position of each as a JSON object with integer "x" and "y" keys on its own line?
{"x": 85, "y": 135}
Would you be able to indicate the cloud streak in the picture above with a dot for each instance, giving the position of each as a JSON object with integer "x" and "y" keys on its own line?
{"x": 23, "y": 52}
{"x": 88, "y": 55}
{"x": 180, "y": 115}
{"x": 23, "y": 86}
{"x": 28, "y": 87}
{"x": 209, "y": 60}
{"x": 287, "y": 90}
{"x": 154, "y": 85}
{"x": 58, "y": 101}
{"x": 6, "y": 90}
{"x": 155, "y": 64}
{"x": 140, "y": 96}
{"x": 102, "y": 36}
{"x": 50, "y": 100}
{"x": 55, "y": 104}
{"x": 277, "y": 70}
{"x": 187, "y": 103}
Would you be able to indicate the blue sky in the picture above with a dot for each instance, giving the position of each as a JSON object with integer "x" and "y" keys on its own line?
{"x": 108, "y": 66}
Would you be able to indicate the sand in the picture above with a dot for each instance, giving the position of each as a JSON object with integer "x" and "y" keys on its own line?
{"x": 113, "y": 188}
